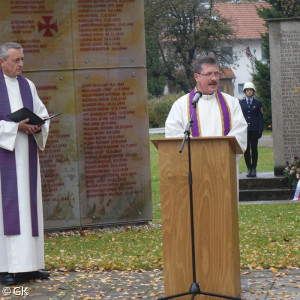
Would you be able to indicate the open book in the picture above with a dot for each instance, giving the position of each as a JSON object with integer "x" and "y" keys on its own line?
{"x": 25, "y": 113}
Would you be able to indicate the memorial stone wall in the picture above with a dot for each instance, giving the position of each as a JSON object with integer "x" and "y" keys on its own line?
{"x": 285, "y": 90}
{"x": 87, "y": 60}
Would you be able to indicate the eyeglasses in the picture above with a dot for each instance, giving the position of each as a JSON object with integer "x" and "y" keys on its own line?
{"x": 211, "y": 75}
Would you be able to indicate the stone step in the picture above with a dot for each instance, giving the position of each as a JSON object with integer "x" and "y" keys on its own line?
{"x": 266, "y": 186}
{"x": 262, "y": 183}
{"x": 266, "y": 194}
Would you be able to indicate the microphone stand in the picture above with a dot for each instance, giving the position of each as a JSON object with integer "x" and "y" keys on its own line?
{"x": 195, "y": 286}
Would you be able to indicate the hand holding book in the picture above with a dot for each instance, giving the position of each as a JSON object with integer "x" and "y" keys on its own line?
{"x": 25, "y": 113}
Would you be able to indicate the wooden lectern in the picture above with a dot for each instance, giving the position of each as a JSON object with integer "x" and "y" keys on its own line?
{"x": 217, "y": 259}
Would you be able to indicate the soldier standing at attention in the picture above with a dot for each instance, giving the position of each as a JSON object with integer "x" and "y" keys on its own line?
{"x": 253, "y": 113}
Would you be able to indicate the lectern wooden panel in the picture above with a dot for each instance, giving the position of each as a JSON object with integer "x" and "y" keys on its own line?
{"x": 217, "y": 260}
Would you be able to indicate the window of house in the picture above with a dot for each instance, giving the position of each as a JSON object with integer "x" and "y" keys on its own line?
{"x": 227, "y": 54}
{"x": 221, "y": 87}
{"x": 240, "y": 88}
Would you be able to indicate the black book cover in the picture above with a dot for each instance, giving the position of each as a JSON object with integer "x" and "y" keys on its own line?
{"x": 25, "y": 113}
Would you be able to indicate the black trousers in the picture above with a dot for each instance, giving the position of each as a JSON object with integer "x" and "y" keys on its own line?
{"x": 251, "y": 153}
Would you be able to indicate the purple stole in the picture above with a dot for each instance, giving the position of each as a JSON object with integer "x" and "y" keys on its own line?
{"x": 224, "y": 109}
{"x": 10, "y": 205}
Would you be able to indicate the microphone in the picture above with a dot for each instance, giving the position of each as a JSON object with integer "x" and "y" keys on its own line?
{"x": 197, "y": 97}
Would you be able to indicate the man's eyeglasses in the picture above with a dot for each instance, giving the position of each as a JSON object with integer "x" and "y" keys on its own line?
{"x": 211, "y": 75}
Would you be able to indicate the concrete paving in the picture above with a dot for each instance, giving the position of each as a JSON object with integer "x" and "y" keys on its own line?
{"x": 262, "y": 285}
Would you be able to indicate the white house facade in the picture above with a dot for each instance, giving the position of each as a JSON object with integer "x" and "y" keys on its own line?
{"x": 247, "y": 44}
{"x": 244, "y": 69}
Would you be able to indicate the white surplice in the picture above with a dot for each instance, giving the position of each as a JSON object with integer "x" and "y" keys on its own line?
{"x": 210, "y": 121}
{"x": 22, "y": 253}
{"x": 210, "y": 118}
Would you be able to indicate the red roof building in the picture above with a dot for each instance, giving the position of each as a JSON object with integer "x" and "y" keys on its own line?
{"x": 243, "y": 18}
{"x": 246, "y": 43}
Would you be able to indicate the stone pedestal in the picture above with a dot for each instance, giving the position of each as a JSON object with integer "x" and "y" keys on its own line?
{"x": 285, "y": 89}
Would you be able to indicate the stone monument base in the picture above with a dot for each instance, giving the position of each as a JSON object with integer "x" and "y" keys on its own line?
{"x": 266, "y": 186}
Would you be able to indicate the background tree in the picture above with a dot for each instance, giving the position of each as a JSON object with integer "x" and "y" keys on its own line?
{"x": 184, "y": 29}
{"x": 156, "y": 80}
{"x": 261, "y": 75}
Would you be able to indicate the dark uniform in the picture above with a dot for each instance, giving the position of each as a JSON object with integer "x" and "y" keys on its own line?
{"x": 253, "y": 114}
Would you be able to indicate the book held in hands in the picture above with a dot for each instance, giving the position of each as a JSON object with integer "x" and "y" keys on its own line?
{"x": 25, "y": 113}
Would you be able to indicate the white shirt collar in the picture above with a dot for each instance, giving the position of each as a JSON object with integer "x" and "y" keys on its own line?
{"x": 208, "y": 97}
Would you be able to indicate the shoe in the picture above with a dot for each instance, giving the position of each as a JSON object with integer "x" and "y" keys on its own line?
{"x": 253, "y": 173}
{"x": 8, "y": 279}
{"x": 33, "y": 275}
{"x": 43, "y": 274}
{"x": 249, "y": 173}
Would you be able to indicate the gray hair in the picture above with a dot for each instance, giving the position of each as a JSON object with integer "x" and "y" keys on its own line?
{"x": 10, "y": 45}
{"x": 209, "y": 60}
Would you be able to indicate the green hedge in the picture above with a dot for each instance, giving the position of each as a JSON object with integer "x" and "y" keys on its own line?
{"x": 159, "y": 108}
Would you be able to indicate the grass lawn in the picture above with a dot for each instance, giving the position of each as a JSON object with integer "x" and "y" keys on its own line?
{"x": 269, "y": 236}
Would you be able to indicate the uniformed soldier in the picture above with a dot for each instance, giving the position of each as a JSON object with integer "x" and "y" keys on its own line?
{"x": 253, "y": 113}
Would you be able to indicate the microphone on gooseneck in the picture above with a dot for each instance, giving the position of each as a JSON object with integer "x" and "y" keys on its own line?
{"x": 197, "y": 97}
